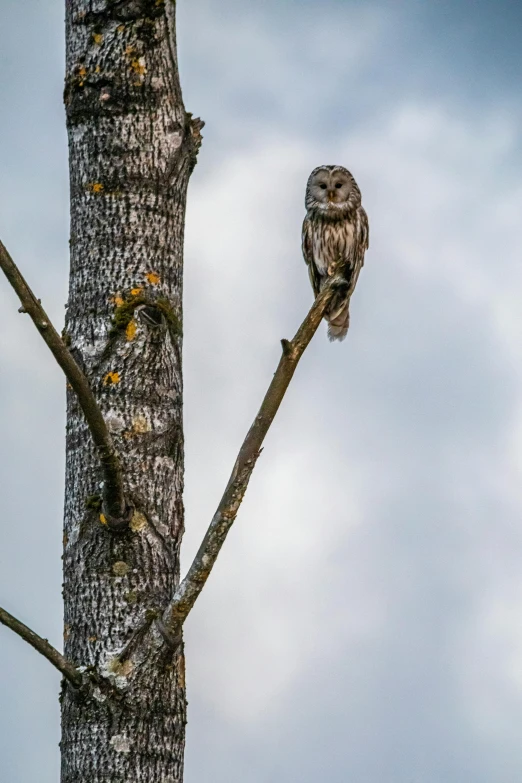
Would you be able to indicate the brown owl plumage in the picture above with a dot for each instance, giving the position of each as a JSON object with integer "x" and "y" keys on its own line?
{"x": 335, "y": 239}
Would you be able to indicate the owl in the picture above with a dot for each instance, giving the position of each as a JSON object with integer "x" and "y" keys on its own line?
{"x": 335, "y": 238}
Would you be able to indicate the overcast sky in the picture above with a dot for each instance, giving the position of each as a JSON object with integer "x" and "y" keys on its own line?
{"x": 364, "y": 620}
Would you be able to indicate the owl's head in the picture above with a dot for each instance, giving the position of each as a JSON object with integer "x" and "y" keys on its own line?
{"x": 332, "y": 191}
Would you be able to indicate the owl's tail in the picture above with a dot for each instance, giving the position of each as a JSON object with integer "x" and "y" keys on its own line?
{"x": 338, "y": 316}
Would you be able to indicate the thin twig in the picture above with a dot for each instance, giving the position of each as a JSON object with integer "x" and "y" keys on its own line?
{"x": 114, "y": 501}
{"x": 198, "y": 573}
{"x": 42, "y": 646}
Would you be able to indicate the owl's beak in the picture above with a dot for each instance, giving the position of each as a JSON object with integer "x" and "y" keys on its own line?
{"x": 331, "y": 195}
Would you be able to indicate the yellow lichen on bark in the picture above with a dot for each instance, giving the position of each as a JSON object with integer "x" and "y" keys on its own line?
{"x": 130, "y": 331}
{"x": 120, "y": 568}
{"x": 140, "y": 425}
{"x": 138, "y": 522}
{"x": 111, "y": 378}
{"x": 153, "y": 278}
{"x": 138, "y": 66}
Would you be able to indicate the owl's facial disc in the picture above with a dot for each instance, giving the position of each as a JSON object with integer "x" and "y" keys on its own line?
{"x": 331, "y": 187}
{"x": 330, "y": 191}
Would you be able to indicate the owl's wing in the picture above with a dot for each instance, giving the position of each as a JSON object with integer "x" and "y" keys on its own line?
{"x": 359, "y": 247}
{"x": 363, "y": 229}
{"x": 306, "y": 241}
{"x": 308, "y": 255}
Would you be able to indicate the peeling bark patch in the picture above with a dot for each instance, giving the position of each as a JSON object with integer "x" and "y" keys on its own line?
{"x": 120, "y": 743}
{"x": 181, "y": 671}
{"x": 126, "y": 669}
{"x": 114, "y": 423}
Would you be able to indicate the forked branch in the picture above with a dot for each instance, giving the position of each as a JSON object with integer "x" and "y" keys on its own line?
{"x": 114, "y": 501}
{"x": 42, "y": 646}
{"x": 198, "y": 573}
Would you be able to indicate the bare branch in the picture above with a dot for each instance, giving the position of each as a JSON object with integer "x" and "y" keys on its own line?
{"x": 198, "y": 573}
{"x": 114, "y": 501}
{"x": 42, "y": 646}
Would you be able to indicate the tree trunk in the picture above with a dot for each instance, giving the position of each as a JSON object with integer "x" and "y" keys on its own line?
{"x": 132, "y": 148}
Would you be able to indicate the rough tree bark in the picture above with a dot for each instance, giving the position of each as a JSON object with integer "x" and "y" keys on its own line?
{"x": 132, "y": 147}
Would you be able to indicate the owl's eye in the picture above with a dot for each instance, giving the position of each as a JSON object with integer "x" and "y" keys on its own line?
{"x": 338, "y": 184}
{"x": 323, "y": 186}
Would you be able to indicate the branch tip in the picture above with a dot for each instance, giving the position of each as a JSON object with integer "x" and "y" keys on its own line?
{"x": 286, "y": 346}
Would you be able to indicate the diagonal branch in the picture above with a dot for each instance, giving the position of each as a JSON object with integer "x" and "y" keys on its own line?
{"x": 198, "y": 573}
{"x": 114, "y": 501}
{"x": 42, "y": 646}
